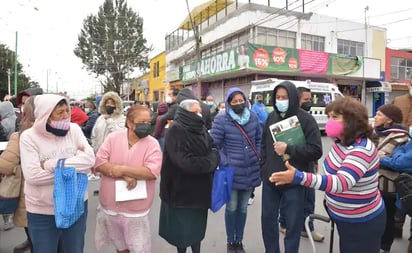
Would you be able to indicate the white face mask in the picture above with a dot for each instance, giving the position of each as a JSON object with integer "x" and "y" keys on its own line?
{"x": 199, "y": 114}
{"x": 410, "y": 91}
{"x": 410, "y": 131}
{"x": 168, "y": 99}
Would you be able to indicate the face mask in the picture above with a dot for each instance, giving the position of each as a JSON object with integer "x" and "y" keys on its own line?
{"x": 221, "y": 109}
{"x": 58, "y": 128}
{"x": 238, "y": 109}
{"x": 282, "y": 105}
{"x": 306, "y": 105}
{"x": 168, "y": 100}
{"x": 199, "y": 114}
{"x": 109, "y": 109}
{"x": 209, "y": 104}
{"x": 410, "y": 131}
{"x": 21, "y": 108}
{"x": 86, "y": 110}
{"x": 260, "y": 101}
{"x": 142, "y": 130}
{"x": 410, "y": 92}
{"x": 333, "y": 128}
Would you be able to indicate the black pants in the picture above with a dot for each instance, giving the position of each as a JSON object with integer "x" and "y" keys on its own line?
{"x": 388, "y": 235}
{"x": 195, "y": 248}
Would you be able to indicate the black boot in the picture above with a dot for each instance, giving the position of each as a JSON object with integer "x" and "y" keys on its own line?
{"x": 231, "y": 247}
{"x": 239, "y": 248}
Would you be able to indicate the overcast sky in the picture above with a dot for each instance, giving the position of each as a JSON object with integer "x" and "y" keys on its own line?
{"x": 48, "y": 30}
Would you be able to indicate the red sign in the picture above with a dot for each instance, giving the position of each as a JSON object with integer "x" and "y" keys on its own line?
{"x": 279, "y": 56}
{"x": 261, "y": 58}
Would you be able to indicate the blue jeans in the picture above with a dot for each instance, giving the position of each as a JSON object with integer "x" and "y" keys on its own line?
{"x": 45, "y": 236}
{"x": 292, "y": 200}
{"x": 235, "y": 215}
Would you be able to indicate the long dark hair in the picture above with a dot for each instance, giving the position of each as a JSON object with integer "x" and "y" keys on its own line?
{"x": 355, "y": 116}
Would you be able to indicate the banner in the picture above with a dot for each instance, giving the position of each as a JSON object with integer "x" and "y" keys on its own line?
{"x": 271, "y": 58}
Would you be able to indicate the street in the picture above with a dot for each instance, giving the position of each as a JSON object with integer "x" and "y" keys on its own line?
{"x": 215, "y": 240}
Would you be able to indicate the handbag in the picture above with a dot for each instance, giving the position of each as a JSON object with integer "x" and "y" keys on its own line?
{"x": 10, "y": 191}
{"x": 222, "y": 187}
{"x": 403, "y": 184}
{"x": 68, "y": 194}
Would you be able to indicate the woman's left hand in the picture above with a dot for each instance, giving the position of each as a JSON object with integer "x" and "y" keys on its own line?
{"x": 283, "y": 177}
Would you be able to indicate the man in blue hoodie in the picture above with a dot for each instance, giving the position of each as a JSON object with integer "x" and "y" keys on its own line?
{"x": 260, "y": 109}
{"x": 286, "y": 104}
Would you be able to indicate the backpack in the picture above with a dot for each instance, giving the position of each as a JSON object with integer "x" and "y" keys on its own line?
{"x": 403, "y": 184}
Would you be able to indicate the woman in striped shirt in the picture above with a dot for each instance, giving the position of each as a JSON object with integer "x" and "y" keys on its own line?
{"x": 351, "y": 178}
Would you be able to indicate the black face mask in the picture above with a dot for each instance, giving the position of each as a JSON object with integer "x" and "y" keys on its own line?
{"x": 56, "y": 131}
{"x": 142, "y": 130}
{"x": 260, "y": 101}
{"x": 109, "y": 109}
{"x": 306, "y": 105}
{"x": 238, "y": 109}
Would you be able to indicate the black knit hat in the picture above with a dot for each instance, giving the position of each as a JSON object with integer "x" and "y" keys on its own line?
{"x": 392, "y": 111}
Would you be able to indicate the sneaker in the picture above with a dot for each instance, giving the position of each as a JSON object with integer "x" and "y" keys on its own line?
{"x": 250, "y": 201}
{"x": 231, "y": 247}
{"x": 282, "y": 230}
{"x": 317, "y": 237}
{"x": 239, "y": 247}
{"x": 22, "y": 247}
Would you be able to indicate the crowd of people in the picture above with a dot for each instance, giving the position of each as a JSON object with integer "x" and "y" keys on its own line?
{"x": 181, "y": 143}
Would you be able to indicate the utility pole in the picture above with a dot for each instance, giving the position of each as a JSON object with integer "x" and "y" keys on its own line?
{"x": 8, "y": 79}
{"x": 15, "y": 68}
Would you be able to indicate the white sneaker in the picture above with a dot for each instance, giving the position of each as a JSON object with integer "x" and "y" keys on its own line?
{"x": 93, "y": 177}
{"x": 250, "y": 201}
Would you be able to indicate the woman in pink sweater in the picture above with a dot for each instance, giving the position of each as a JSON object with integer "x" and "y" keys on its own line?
{"x": 51, "y": 138}
{"x": 128, "y": 160}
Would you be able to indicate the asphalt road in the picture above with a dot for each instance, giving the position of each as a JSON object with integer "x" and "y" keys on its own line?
{"x": 215, "y": 240}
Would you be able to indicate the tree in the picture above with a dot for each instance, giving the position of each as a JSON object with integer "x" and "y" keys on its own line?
{"x": 111, "y": 44}
{"x": 7, "y": 64}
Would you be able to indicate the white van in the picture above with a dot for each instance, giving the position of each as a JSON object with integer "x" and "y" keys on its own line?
{"x": 322, "y": 94}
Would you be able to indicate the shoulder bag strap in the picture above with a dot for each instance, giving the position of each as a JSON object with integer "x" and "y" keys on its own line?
{"x": 247, "y": 138}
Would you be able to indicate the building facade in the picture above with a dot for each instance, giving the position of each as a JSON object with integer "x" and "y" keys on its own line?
{"x": 231, "y": 44}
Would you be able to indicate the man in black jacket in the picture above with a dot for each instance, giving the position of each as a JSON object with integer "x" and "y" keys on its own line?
{"x": 171, "y": 102}
{"x": 286, "y": 104}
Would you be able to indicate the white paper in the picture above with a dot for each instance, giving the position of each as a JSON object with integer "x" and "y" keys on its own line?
{"x": 124, "y": 194}
{"x": 3, "y": 145}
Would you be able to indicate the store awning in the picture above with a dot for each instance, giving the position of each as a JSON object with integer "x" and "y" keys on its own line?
{"x": 203, "y": 12}
{"x": 378, "y": 86}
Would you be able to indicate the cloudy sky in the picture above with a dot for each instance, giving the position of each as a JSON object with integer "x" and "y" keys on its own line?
{"x": 48, "y": 30}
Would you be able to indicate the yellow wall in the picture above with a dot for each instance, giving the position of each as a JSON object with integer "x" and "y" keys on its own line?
{"x": 378, "y": 46}
{"x": 157, "y": 78}
{"x": 139, "y": 91}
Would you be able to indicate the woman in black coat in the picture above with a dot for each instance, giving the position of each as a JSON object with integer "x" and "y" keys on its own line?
{"x": 186, "y": 178}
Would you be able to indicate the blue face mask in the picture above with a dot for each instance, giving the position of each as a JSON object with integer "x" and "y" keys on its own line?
{"x": 282, "y": 105}
{"x": 410, "y": 131}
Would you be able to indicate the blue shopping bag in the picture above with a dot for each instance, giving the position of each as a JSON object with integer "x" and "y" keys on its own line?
{"x": 68, "y": 193}
{"x": 222, "y": 187}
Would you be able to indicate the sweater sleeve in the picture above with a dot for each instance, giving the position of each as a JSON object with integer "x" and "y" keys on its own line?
{"x": 30, "y": 163}
{"x": 83, "y": 160}
{"x": 348, "y": 174}
{"x": 153, "y": 158}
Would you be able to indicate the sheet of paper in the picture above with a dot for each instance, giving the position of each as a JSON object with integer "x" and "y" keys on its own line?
{"x": 123, "y": 194}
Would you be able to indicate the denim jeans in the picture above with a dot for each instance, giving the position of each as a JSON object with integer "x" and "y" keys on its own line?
{"x": 292, "y": 200}
{"x": 45, "y": 235}
{"x": 235, "y": 215}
